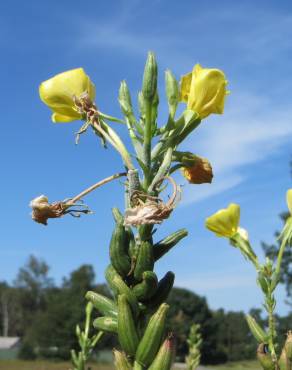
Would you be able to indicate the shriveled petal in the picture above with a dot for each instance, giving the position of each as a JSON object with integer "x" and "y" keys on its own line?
{"x": 185, "y": 86}
{"x": 225, "y": 222}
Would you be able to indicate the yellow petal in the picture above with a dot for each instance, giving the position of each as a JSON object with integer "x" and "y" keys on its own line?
{"x": 185, "y": 85}
{"x": 204, "y": 91}
{"x": 289, "y": 200}
{"x": 56, "y": 117}
{"x": 225, "y": 222}
{"x": 59, "y": 91}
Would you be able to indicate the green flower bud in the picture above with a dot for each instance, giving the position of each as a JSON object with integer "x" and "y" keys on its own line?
{"x": 172, "y": 91}
{"x": 125, "y": 99}
{"x": 149, "y": 85}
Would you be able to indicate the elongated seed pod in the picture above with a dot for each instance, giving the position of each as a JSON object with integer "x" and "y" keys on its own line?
{"x": 165, "y": 355}
{"x": 121, "y": 361}
{"x": 147, "y": 288}
{"x": 164, "y": 245}
{"x": 288, "y": 345}
{"x": 127, "y": 333}
{"x": 284, "y": 363}
{"x": 145, "y": 260}
{"x": 152, "y": 337}
{"x": 110, "y": 273}
{"x": 104, "y": 305}
{"x": 133, "y": 249}
{"x": 118, "y": 217}
{"x": 163, "y": 289}
{"x": 119, "y": 250}
{"x": 120, "y": 287}
{"x": 260, "y": 335}
{"x": 265, "y": 358}
{"x": 109, "y": 324}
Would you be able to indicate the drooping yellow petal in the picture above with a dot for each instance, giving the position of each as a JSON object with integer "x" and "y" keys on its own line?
{"x": 59, "y": 91}
{"x": 225, "y": 222}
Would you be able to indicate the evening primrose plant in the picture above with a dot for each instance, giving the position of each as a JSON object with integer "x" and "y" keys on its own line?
{"x": 225, "y": 223}
{"x": 137, "y": 311}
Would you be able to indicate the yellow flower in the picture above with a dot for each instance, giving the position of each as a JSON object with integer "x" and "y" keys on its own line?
{"x": 204, "y": 90}
{"x": 59, "y": 91}
{"x": 225, "y": 222}
{"x": 199, "y": 172}
{"x": 289, "y": 200}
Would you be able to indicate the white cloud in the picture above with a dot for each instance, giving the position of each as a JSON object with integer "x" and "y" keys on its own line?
{"x": 249, "y": 132}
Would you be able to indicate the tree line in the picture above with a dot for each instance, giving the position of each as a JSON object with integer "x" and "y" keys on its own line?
{"x": 44, "y": 315}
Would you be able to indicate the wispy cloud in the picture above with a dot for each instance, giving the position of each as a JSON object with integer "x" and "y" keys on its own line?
{"x": 249, "y": 132}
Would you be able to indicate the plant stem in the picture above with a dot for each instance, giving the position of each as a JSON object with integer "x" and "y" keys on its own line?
{"x": 147, "y": 143}
{"x": 95, "y": 186}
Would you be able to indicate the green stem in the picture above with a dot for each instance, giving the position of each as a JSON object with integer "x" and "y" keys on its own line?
{"x": 147, "y": 143}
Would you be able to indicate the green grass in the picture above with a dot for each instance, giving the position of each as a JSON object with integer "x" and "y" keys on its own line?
{"x": 48, "y": 365}
{"x": 245, "y": 365}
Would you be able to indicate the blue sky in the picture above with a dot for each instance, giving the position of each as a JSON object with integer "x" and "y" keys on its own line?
{"x": 249, "y": 146}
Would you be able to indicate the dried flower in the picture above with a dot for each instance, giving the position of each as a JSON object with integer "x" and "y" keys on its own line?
{"x": 42, "y": 210}
{"x": 150, "y": 210}
{"x": 199, "y": 172}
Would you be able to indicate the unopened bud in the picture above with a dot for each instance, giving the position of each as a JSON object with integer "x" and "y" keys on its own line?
{"x": 149, "y": 85}
{"x": 125, "y": 99}
{"x": 172, "y": 91}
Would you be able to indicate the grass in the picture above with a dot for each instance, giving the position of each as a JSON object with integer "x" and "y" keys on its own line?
{"x": 245, "y": 365}
{"x": 49, "y": 365}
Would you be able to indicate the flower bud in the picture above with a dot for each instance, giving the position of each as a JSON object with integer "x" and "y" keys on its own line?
{"x": 199, "y": 172}
{"x": 172, "y": 91}
{"x": 60, "y": 91}
{"x": 204, "y": 90}
{"x": 125, "y": 99}
{"x": 149, "y": 85}
{"x": 225, "y": 222}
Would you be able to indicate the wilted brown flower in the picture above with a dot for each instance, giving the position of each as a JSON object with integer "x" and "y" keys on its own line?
{"x": 150, "y": 210}
{"x": 198, "y": 173}
{"x": 42, "y": 210}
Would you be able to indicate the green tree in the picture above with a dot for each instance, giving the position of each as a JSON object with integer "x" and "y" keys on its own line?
{"x": 187, "y": 308}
